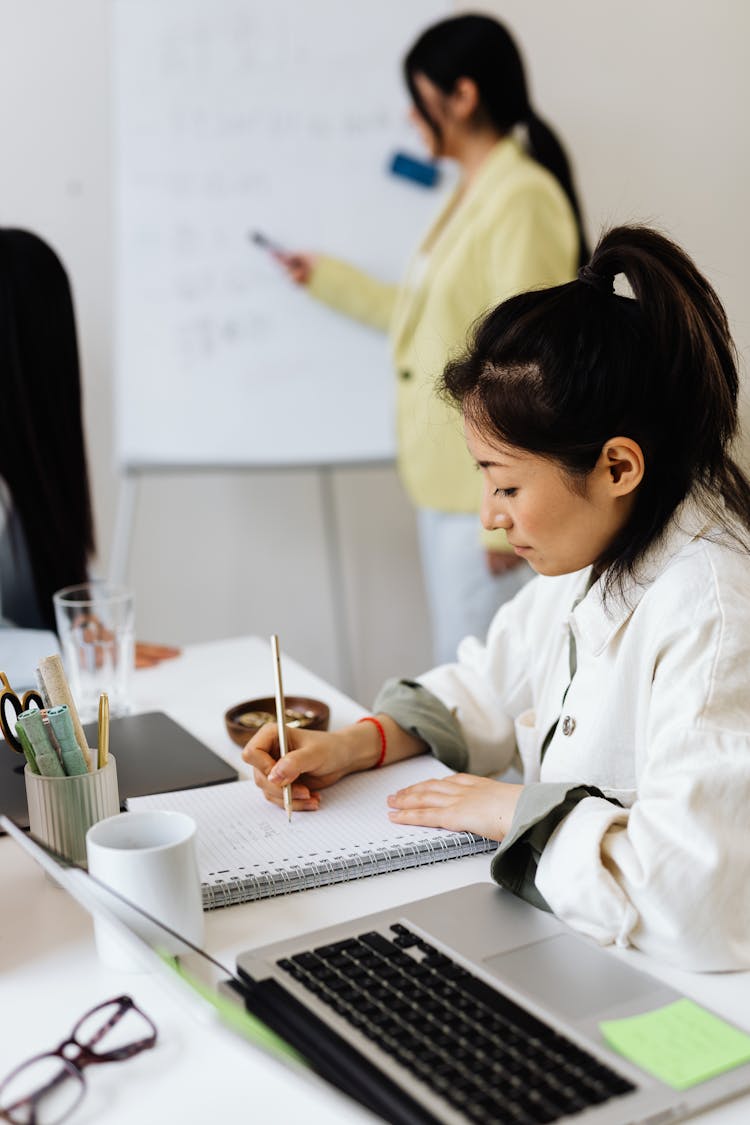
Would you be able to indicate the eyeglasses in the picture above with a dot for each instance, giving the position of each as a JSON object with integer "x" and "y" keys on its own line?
{"x": 47, "y": 1088}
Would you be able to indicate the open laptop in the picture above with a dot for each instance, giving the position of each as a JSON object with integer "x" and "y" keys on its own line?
{"x": 469, "y": 1006}
{"x": 480, "y": 1007}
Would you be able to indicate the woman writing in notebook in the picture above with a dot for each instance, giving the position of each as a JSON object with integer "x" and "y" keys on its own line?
{"x": 512, "y": 223}
{"x": 618, "y": 679}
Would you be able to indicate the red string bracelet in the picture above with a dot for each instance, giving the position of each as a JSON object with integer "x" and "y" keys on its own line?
{"x": 381, "y": 732}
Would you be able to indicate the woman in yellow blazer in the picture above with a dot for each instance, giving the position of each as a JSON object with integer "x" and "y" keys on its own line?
{"x": 511, "y": 224}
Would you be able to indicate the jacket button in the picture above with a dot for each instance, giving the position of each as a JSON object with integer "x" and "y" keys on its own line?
{"x": 404, "y": 375}
{"x": 568, "y": 725}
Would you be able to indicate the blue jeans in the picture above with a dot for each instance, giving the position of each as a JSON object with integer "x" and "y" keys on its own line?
{"x": 462, "y": 595}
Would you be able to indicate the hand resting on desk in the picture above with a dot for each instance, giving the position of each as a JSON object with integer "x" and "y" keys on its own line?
{"x": 92, "y": 631}
{"x": 148, "y": 655}
{"x": 317, "y": 759}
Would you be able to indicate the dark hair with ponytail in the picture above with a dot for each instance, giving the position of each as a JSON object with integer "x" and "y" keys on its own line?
{"x": 558, "y": 372}
{"x": 480, "y": 48}
{"x": 42, "y": 453}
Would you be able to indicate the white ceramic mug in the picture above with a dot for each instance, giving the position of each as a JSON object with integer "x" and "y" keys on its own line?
{"x": 150, "y": 859}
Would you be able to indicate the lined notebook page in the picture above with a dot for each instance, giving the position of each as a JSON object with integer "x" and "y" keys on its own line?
{"x": 242, "y": 837}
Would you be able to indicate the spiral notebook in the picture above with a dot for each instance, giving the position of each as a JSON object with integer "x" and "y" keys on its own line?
{"x": 247, "y": 850}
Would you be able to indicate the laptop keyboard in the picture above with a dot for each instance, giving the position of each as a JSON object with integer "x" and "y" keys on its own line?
{"x": 489, "y": 1058}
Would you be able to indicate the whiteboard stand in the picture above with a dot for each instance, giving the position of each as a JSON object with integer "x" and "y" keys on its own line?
{"x": 122, "y": 534}
{"x": 332, "y": 546}
{"x": 122, "y": 538}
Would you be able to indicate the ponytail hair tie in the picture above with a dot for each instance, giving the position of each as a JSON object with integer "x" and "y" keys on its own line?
{"x": 603, "y": 283}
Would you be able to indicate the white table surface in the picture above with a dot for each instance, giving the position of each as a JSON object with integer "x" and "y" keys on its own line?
{"x": 50, "y": 973}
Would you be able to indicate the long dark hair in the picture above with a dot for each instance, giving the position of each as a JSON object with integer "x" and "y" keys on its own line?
{"x": 560, "y": 371}
{"x": 480, "y": 48}
{"x": 42, "y": 453}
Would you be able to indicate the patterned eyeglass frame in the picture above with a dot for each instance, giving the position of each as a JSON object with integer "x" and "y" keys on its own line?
{"x": 73, "y": 1066}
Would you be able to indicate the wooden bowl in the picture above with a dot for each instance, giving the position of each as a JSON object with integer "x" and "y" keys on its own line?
{"x": 244, "y": 719}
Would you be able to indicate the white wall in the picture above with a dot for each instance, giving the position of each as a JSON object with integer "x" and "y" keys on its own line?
{"x": 217, "y": 554}
{"x": 651, "y": 100}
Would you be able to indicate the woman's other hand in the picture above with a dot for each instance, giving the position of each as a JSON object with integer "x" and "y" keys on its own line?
{"x": 462, "y": 803}
{"x": 147, "y": 655}
{"x": 96, "y": 637}
{"x": 299, "y": 267}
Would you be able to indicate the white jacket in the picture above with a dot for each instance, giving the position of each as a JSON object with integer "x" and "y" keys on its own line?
{"x": 658, "y": 716}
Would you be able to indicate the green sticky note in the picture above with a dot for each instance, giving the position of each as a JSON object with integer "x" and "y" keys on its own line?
{"x": 682, "y": 1044}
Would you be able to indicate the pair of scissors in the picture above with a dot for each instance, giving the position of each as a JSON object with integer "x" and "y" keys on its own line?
{"x": 11, "y": 706}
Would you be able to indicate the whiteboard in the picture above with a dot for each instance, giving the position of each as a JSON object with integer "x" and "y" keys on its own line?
{"x": 276, "y": 115}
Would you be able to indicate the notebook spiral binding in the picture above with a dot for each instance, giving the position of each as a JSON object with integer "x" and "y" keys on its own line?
{"x": 340, "y": 869}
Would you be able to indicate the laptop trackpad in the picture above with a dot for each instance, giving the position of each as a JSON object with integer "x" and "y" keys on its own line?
{"x": 570, "y": 976}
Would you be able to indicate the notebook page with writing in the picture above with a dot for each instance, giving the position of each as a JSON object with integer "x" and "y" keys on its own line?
{"x": 248, "y": 850}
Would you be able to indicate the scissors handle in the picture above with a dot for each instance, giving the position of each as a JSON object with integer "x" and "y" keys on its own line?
{"x": 10, "y": 702}
{"x": 10, "y": 708}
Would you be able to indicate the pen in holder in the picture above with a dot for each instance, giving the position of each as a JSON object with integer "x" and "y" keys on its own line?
{"x": 62, "y": 809}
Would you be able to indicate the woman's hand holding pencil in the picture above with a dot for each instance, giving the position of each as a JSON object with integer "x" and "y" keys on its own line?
{"x": 314, "y": 760}
{"x": 318, "y": 759}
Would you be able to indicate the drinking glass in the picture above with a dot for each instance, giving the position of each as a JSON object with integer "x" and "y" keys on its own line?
{"x": 95, "y": 623}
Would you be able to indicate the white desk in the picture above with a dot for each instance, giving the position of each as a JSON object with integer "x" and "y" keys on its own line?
{"x": 50, "y": 974}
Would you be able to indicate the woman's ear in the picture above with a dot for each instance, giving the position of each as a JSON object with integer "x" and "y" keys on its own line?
{"x": 622, "y": 465}
{"x": 465, "y": 98}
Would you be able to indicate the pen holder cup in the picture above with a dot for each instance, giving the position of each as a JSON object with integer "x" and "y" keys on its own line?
{"x": 62, "y": 809}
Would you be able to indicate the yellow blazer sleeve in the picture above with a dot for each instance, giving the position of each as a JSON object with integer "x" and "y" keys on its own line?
{"x": 353, "y": 292}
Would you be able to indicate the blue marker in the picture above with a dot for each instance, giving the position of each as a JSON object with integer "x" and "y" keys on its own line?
{"x": 422, "y": 172}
